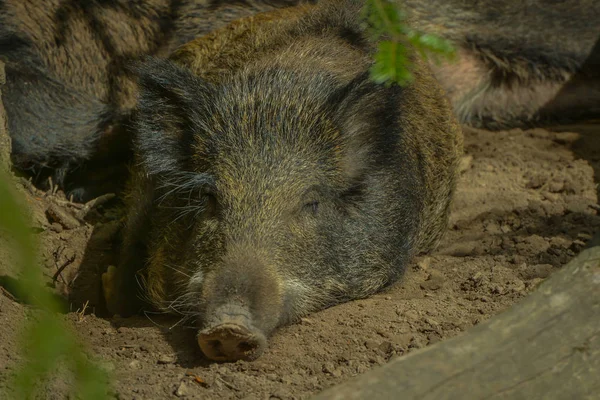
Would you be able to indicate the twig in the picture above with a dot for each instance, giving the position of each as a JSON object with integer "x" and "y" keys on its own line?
{"x": 81, "y": 314}
{"x": 61, "y": 268}
{"x": 87, "y": 207}
{"x": 8, "y": 294}
{"x": 69, "y": 203}
{"x": 30, "y": 186}
{"x": 51, "y": 184}
{"x": 229, "y": 385}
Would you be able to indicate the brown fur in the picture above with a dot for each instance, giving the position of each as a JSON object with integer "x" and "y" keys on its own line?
{"x": 519, "y": 63}
{"x": 263, "y": 35}
{"x": 251, "y": 243}
{"x": 70, "y": 87}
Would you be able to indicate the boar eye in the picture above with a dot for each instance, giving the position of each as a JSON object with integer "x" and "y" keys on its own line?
{"x": 312, "y": 207}
{"x": 210, "y": 204}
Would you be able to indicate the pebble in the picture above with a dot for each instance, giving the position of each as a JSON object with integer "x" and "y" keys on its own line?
{"x": 385, "y": 347}
{"x": 537, "y": 271}
{"x": 460, "y": 249}
{"x": 371, "y": 344}
{"x": 56, "y": 227}
{"x": 411, "y": 314}
{"x": 56, "y": 214}
{"x": 167, "y": 359}
{"x": 403, "y": 339}
{"x": 182, "y": 390}
{"x": 518, "y": 286}
{"x": 434, "y": 281}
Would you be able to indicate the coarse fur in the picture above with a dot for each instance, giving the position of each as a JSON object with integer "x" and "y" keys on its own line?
{"x": 520, "y": 63}
{"x": 70, "y": 89}
{"x": 273, "y": 176}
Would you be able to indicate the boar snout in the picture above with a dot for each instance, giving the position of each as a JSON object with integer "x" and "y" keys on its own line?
{"x": 231, "y": 336}
{"x": 242, "y": 305}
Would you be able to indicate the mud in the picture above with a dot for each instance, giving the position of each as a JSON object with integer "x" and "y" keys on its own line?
{"x": 525, "y": 206}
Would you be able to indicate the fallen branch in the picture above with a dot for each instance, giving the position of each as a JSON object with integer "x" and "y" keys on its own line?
{"x": 546, "y": 347}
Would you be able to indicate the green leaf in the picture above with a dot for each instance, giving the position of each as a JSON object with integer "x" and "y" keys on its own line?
{"x": 46, "y": 339}
{"x": 386, "y": 24}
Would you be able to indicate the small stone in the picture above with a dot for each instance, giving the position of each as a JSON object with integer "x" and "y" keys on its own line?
{"x": 167, "y": 359}
{"x": 459, "y": 249}
{"x": 499, "y": 290}
{"x": 434, "y": 281}
{"x": 465, "y": 163}
{"x": 386, "y": 347}
{"x": 411, "y": 314}
{"x": 328, "y": 368}
{"x": 371, "y": 344}
{"x": 135, "y": 364}
{"x": 432, "y": 322}
{"x": 423, "y": 263}
{"x": 182, "y": 390}
{"x": 271, "y": 377}
{"x": 518, "y": 286}
{"x": 403, "y": 340}
{"x": 56, "y": 227}
{"x": 62, "y": 217}
{"x": 537, "y": 271}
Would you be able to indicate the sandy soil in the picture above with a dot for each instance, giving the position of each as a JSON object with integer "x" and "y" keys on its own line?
{"x": 525, "y": 206}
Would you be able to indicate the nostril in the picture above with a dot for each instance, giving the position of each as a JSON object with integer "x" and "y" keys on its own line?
{"x": 246, "y": 347}
{"x": 215, "y": 348}
{"x": 231, "y": 342}
{"x": 215, "y": 345}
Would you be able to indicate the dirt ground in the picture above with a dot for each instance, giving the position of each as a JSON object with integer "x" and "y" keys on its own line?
{"x": 526, "y": 205}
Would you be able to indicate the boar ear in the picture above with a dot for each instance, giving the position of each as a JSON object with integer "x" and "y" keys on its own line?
{"x": 367, "y": 116}
{"x": 171, "y": 105}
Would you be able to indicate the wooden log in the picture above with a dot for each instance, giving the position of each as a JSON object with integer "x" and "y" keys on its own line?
{"x": 545, "y": 347}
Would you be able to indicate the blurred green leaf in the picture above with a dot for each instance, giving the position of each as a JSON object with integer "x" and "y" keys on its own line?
{"x": 46, "y": 339}
{"x": 386, "y": 24}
